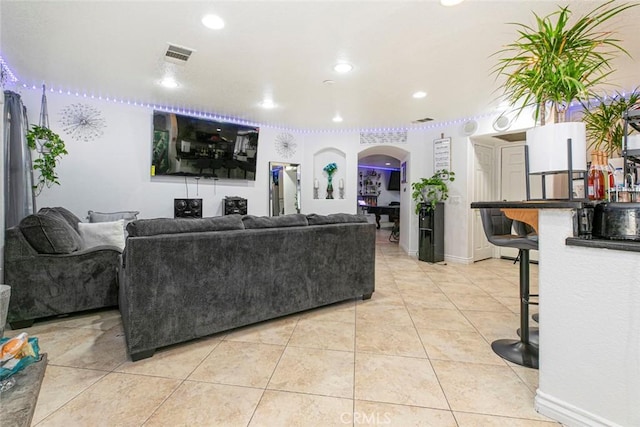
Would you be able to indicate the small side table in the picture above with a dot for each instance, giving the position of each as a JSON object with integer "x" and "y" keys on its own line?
{"x": 18, "y": 403}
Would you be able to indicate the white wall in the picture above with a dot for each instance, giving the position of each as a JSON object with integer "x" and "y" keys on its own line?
{"x": 113, "y": 172}
{"x": 589, "y": 322}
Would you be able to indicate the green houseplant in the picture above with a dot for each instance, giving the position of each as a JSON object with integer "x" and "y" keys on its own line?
{"x": 555, "y": 62}
{"x": 432, "y": 190}
{"x": 605, "y": 124}
{"x": 50, "y": 148}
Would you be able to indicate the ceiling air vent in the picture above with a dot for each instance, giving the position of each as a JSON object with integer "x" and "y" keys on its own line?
{"x": 426, "y": 119}
{"x": 177, "y": 54}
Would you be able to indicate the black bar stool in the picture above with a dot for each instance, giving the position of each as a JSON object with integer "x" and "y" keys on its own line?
{"x": 497, "y": 228}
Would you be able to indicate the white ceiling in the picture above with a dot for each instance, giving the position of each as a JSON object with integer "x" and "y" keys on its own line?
{"x": 284, "y": 50}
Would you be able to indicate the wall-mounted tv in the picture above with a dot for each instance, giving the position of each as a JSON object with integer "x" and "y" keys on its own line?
{"x": 192, "y": 146}
{"x": 394, "y": 181}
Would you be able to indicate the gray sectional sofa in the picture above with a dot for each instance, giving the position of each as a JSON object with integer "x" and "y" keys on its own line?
{"x": 51, "y": 272}
{"x": 183, "y": 279}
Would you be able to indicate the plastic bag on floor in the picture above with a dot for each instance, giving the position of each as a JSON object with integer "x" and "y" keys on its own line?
{"x": 17, "y": 353}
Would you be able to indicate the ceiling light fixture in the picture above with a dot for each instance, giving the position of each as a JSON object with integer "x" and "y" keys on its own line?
{"x": 337, "y": 118}
{"x": 420, "y": 94}
{"x": 343, "y": 67}
{"x": 213, "y": 22}
{"x": 268, "y": 104}
{"x": 169, "y": 82}
{"x": 450, "y": 2}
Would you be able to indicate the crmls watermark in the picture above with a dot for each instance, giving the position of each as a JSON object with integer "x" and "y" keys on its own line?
{"x": 369, "y": 418}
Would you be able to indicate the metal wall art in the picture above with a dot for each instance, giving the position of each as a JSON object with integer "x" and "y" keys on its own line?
{"x": 83, "y": 122}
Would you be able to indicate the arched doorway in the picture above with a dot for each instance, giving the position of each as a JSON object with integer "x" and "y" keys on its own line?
{"x": 382, "y": 192}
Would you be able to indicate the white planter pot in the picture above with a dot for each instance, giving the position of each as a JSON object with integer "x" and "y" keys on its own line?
{"x": 547, "y": 147}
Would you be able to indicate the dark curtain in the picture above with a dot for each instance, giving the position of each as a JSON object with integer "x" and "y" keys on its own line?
{"x": 18, "y": 180}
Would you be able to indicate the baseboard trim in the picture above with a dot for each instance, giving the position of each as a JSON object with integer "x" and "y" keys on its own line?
{"x": 567, "y": 414}
{"x": 458, "y": 260}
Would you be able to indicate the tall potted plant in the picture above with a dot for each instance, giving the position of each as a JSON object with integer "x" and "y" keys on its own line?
{"x": 552, "y": 64}
{"x": 605, "y": 123}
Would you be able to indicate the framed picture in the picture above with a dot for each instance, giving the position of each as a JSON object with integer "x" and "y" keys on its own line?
{"x": 403, "y": 173}
{"x": 442, "y": 154}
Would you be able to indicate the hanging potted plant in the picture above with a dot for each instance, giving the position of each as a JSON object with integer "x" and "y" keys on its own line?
{"x": 605, "y": 122}
{"x": 429, "y": 191}
{"x": 551, "y": 65}
{"x": 50, "y": 148}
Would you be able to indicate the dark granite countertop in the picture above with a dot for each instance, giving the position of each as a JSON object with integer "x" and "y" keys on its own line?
{"x": 618, "y": 245}
{"x": 533, "y": 204}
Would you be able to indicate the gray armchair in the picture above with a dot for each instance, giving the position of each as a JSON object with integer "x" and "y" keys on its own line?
{"x": 51, "y": 274}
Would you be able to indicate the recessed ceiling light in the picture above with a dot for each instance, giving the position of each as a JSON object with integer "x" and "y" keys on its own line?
{"x": 343, "y": 67}
{"x": 213, "y": 22}
{"x": 337, "y": 118}
{"x": 450, "y": 2}
{"x": 268, "y": 104}
{"x": 419, "y": 94}
{"x": 169, "y": 82}
{"x": 387, "y": 164}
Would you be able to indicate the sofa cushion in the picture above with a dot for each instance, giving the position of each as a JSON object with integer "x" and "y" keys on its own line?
{"x": 102, "y": 233}
{"x": 151, "y": 227}
{"x": 337, "y": 218}
{"x": 49, "y": 234}
{"x": 292, "y": 220}
{"x": 94, "y": 216}
{"x": 63, "y": 213}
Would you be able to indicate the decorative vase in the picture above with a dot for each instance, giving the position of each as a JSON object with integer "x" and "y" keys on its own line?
{"x": 330, "y": 187}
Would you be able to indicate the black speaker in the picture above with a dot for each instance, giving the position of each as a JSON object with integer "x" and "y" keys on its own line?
{"x": 235, "y": 205}
{"x": 187, "y": 208}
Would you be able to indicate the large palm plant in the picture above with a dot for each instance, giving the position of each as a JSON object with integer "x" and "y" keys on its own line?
{"x": 605, "y": 123}
{"x": 555, "y": 63}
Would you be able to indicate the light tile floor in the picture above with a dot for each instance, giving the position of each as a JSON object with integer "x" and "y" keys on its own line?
{"x": 416, "y": 354}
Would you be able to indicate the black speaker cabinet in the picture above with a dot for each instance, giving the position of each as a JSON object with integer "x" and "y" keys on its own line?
{"x": 235, "y": 205}
{"x": 187, "y": 208}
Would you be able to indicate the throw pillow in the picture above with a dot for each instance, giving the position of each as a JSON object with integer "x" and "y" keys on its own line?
{"x": 66, "y": 214}
{"x": 102, "y": 233}
{"x": 112, "y": 216}
{"x": 127, "y": 216}
{"x": 48, "y": 234}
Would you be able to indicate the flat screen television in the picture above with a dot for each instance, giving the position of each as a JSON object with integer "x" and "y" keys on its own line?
{"x": 394, "y": 181}
{"x": 192, "y": 146}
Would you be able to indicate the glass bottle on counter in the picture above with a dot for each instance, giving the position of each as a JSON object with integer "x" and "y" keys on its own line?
{"x": 609, "y": 181}
{"x": 595, "y": 179}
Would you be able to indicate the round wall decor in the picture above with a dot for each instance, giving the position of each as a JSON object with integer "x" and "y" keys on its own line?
{"x": 285, "y": 145}
{"x": 83, "y": 122}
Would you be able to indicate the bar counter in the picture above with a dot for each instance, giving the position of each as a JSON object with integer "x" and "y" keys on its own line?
{"x": 589, "y": 293}
{"x": 575, "y": 239}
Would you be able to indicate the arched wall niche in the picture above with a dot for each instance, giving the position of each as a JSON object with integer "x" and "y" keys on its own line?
{"x": 321, "y": 159}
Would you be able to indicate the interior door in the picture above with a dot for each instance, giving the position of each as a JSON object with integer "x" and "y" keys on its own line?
{"x": 483, "y": 183}
{"x": 513, "y": 185}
